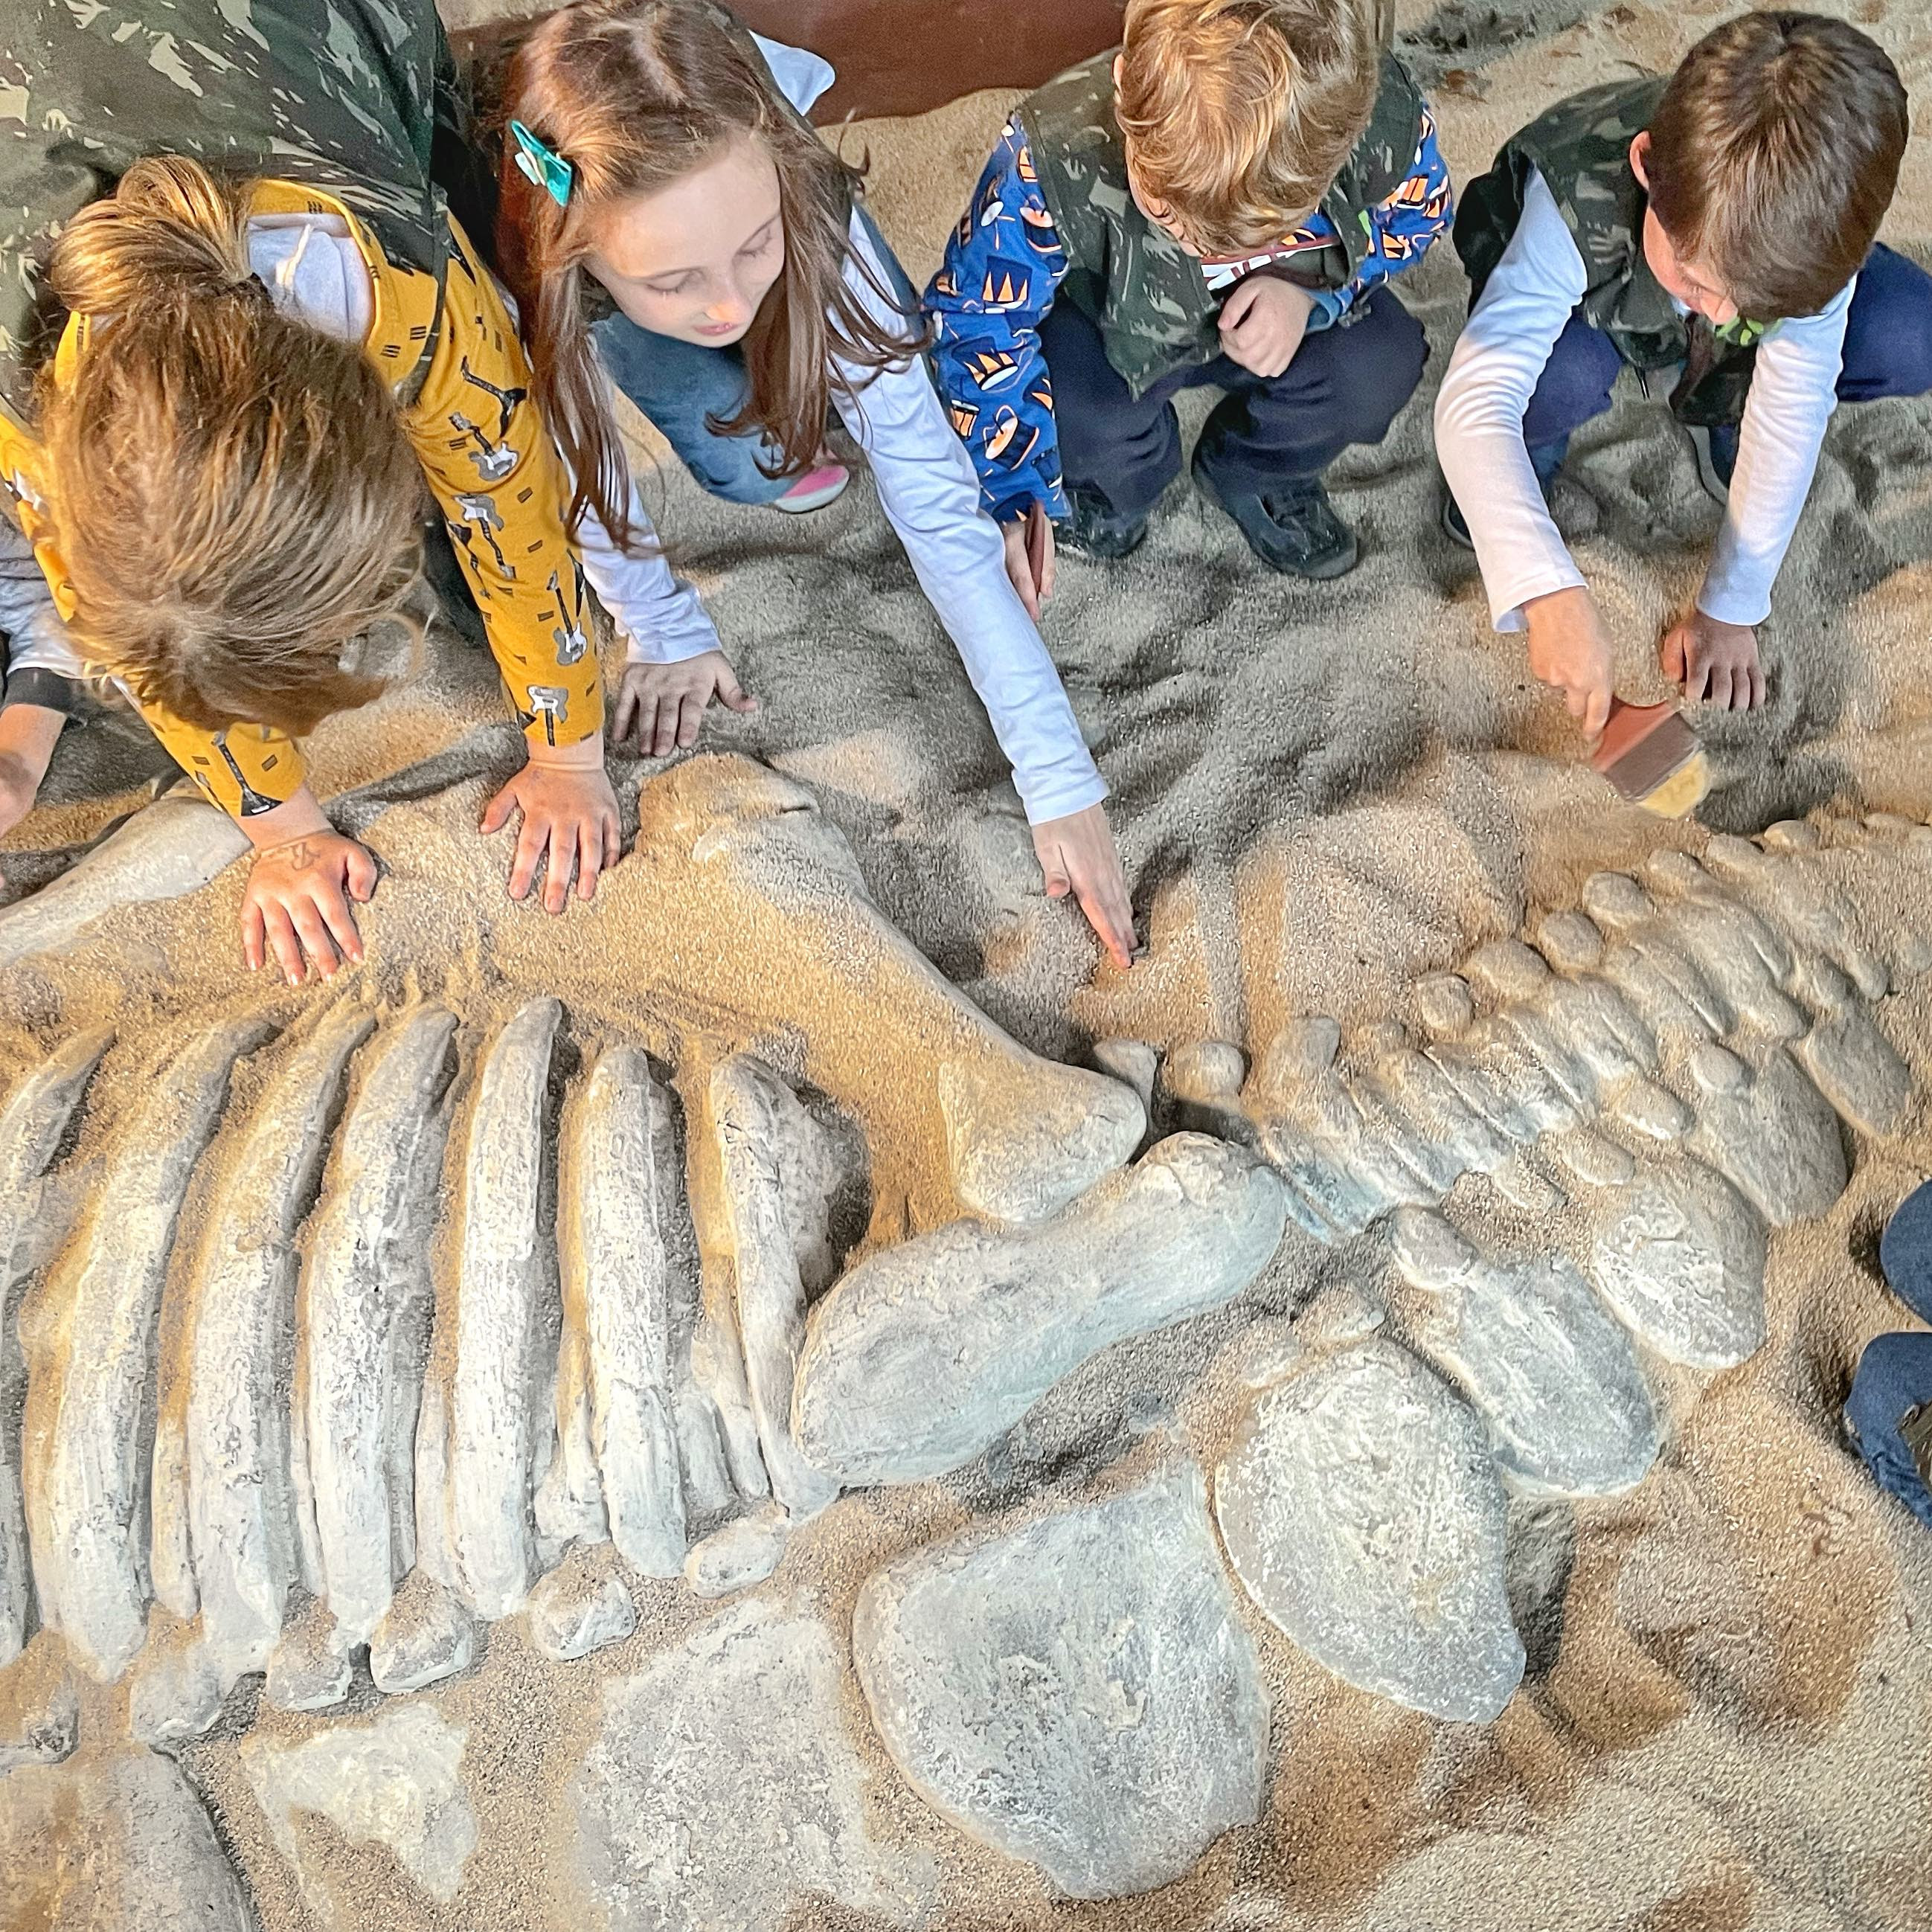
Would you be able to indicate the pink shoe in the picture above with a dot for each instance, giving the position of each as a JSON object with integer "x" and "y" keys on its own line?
{"x": 814, "y": 489}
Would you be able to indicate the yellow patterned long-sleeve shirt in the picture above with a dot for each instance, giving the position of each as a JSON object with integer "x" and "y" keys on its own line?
{"x": 457, "y": 369}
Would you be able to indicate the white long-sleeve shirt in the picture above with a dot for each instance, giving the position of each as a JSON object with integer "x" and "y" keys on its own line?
{"x": 931, "y": 496}
{"x": 1494, "y": 371}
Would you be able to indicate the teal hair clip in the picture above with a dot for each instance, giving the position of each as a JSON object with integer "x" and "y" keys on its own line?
{"x": 548, "y": 170}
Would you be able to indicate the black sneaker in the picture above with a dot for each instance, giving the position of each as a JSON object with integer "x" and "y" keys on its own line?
{"x": 1297, "y": 531}
{"x": 1096, "y": 529}
{"x": 1546, "y": 461}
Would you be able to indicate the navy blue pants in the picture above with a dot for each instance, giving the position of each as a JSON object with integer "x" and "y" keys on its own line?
{"x": 1264, "y": 438}
{"x": 1894, "y": 1375}
{"x": 1888, "y": 352}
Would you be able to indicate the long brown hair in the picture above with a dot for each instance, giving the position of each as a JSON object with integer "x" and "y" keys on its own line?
{"x": 231, "y": 493}
{"x": 634, "y": 95}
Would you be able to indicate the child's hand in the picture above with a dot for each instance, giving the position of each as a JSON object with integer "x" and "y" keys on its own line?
{"x": 297, "y": 904}
{"x": 28, "y": 735}
{"x": 1716, "y": 663}
{"x": 1262, "y": 323}
{"x": 664, "y": 702}
{"x": 1077, "y": 854}
{"x": 570, "y": 813}
{"x": 1030, "y": 557}
{"x": 1570, "y": 650}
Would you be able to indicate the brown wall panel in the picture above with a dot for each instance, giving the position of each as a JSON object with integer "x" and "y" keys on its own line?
{"x": 893, "y": 56}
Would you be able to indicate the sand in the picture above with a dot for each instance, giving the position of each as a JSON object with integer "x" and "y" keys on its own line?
{"x": 1320, "y": 792}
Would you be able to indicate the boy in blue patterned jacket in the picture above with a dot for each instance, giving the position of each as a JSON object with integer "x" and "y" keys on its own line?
{"x": 1222, "y": 202}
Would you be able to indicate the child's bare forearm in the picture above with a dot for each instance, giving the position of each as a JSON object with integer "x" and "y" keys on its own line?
{"x": 28, "y": 735}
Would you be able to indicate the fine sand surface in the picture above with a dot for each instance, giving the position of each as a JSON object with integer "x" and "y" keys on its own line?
{"x": 1320, "y": 792}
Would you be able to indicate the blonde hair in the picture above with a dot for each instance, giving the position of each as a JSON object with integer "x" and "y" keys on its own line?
{"x": 231, "y": 492}
{"x": 634, "y": 95}
{"x": 1238, "y": 114}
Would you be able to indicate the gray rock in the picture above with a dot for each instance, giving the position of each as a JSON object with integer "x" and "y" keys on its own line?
{"x": 571, "y": 1614}
{"x": 1200, "y": 1087}
{"x": 39, "y": 1710}
{"x": 1078, "y": 1693}
{"x": 1361, "y": 1511}
{"x": 1680, "y": 1255}
{"x": 1133, "y": 1062}
{"x": 32, "y": 1123}
{"x": 396, "y": 1781}
{"x": 113, "y": 1840}
{"x": 924, "y": 1354}
{"x": 175, "y": 1688}
{"x": 309, "y": 1669}
{"x": 724, "y": 1790}
{"x": 744, "y": 1551}
{"x": 1770, "y": 1132}
{"x": 1554, "y": 1377}
{"x": 90, "y": 1346}
{"x": 1855, "y": 1066}
{"x": 425, "y": 1636}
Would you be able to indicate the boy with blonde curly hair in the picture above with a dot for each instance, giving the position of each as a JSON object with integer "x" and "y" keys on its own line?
{"x": 1222, "y": 201}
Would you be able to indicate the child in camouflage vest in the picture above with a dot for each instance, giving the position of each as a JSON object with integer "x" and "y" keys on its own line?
{"x": 1223, "y": 202}
{"x": 1715, "y": 233}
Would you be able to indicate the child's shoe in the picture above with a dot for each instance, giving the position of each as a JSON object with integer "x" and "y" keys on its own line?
{"x": 1095, "y": 528}
{"x": 1717, "y": 448}
{"x": 1546, "y": 459}
{"x": 1294, "y": 529}
{"x": 824, "y": 485}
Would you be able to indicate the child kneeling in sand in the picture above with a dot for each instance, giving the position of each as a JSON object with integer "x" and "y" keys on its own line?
{"x": 217, "y": 479}
{"x": 1715, "y": 233}
{"x": 1223, "y": 202}
{"x": 672, "y": 172}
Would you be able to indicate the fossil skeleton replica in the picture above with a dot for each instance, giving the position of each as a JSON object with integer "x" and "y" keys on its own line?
{"x": 461, "y": 1293}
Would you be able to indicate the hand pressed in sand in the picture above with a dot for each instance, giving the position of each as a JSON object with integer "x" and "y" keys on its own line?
{"x": 1570, "y": 650}
{"x": 1029, "y": 540}
{"x": 570, "y": 818}
{"x": 662, "y": 705}
{"x": 297, "y": 905}
{"x": 1715, "y": 663}
{"x": 1078, "y": 855}
{"x": 28, "y": 735}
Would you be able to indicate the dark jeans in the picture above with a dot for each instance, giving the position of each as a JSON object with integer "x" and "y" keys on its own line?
{"x": 1894, "y": 1375}
{"x": 1264, "y": 437}
{"x": 1888, "y": 352}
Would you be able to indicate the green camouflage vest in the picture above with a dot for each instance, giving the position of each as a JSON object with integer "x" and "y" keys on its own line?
{"x": 1581, "y": 148}
{"x": 339, "y": 94}
{"x": 1154, "y": 307}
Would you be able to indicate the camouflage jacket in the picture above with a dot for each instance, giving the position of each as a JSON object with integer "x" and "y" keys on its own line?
{"x": 1581, "y": 148}
{"x": 342, "y": 95}
{"x": 1154, "y": 309}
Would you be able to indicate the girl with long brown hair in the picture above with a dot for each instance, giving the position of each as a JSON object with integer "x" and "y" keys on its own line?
{"x": 673, "y": 180}
{"x": 260, "y": 335}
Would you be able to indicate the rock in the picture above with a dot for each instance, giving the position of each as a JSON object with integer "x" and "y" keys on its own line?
{"x": 175, "y": 1689}
{"x": 621, "y": 1189}
{"x": 1023, "y": 1135}
{"x": 1079, "y": 1694}
{"x": 571, "y": 1614}
{"x": 1133, "y": 1062}
{"x": 395, "y": 1781}
{"x": 1554, "y": 1377}
{"x": 32, "y": 1124}
{"x": 746, "y": 1551}
{"x": 487, "y": 1372}
{"x": 723, "y": 1789}
{"x": 779, "y": 1174}
{"x": 363, "y": 1304}
{"x": 1680, "y": 1255}
{"x": 237, "y": 1341}
{"x": 113, "y": 1840}
{"x": 1361, "y": 1511}
{"x": 173, "y": 847}
{"x": 1201, "y": 1088}
{"x": 425, "y": 1636}
{"x": 309, "y": 1669}
{"x": 1772, "y": 1133}
{"x": 925, "y": 1353}
{"x": 39, "y": 1710}
{"x": 89, "y": 1342}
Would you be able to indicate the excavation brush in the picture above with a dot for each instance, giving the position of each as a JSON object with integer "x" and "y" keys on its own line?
{"x": 1651, "y": 755}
